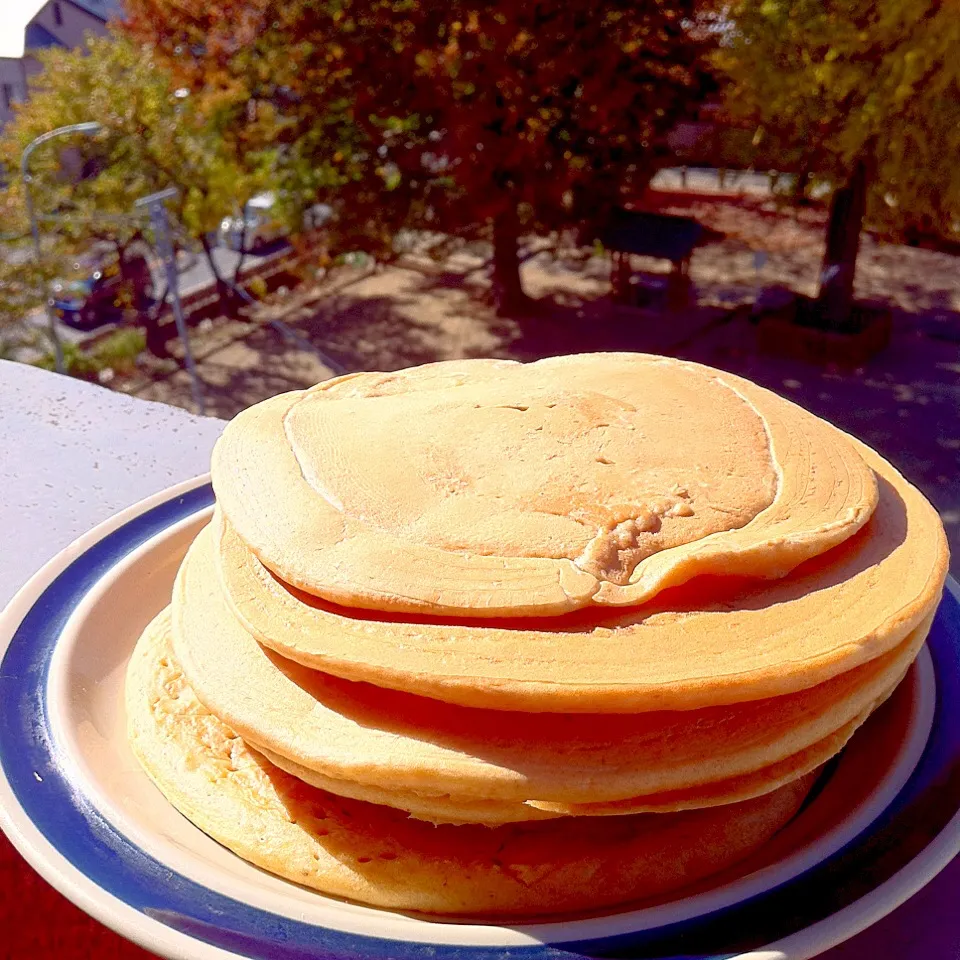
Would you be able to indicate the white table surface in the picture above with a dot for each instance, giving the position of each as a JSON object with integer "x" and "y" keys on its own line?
{"x": 74, "y": 453}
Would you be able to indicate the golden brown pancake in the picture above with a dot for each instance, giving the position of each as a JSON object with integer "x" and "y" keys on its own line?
{"x": 490, "y": 488}
{"x": 449, "y": 809}
{"x": 712, "y": 641}
{"x": 405, "y": 744}
{"x": 376, "y": 855}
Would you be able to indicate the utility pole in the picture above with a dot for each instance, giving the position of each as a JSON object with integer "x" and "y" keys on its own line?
{"x": 89, "y": 127}
{"x": 156, "y": 206}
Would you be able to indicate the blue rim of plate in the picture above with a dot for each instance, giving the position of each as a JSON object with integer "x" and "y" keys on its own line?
{"x": 913, "y": 822}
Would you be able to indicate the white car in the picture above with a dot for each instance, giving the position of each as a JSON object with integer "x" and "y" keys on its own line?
{"x": 263, "y": 227}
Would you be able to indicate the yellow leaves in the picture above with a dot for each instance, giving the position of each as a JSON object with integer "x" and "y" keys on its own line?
{"x": 521, "y": 40}
{"x": 426, "y": 60}
{"x": 823, "y": 74}
{"x": 533, "y": 128}
{"x": 451, "y": 53}
{"x": 842, "y": 76}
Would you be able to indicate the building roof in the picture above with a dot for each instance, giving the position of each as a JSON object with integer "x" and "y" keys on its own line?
{"x": 103, "y": 9}
{"x": 37, "y": 37}
{"x": 14, "y": 42}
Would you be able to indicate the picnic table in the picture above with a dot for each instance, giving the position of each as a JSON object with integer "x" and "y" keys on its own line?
{"x": 629, "y": 233}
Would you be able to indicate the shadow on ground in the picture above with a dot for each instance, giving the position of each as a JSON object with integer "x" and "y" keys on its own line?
{"x": 403, "y": 317}
{"x": 254, "y": 363}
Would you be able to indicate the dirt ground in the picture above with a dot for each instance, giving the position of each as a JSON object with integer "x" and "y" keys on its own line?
{"x": 905, "y": 402}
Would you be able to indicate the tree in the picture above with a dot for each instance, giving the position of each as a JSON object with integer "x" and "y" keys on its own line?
{"x": 256, "y": 71}
{"x": 474, "y": 113}
{"x": 24, "y": 283}
{"x": 865, "y": 94}
{"x": 152, "y": 137}
{"x": 534, "y": 108}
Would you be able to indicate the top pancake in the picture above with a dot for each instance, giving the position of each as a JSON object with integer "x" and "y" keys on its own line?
{"x": 490, "y": 488}
{"x": 714, "y": 640}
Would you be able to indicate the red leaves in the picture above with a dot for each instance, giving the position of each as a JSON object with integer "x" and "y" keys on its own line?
{"x": 498, "y": 103}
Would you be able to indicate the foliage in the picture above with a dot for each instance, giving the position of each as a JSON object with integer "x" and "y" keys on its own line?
{"x": 447, "y": 113}
{"x": 524, "y": 104}
{"x": 152, "y": 137}
{"x": 24, "y": 282}
{"x": 116, "y": 352}
{"x": 256, "y": 72}
{"x": 826, "y": 84}
{"x": 120, "y": 348}
{"x": 23, "y": 285}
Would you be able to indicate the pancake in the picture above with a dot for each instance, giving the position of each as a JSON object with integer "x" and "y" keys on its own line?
{"x": 469, "y": 810}
{"x": 387, "y": 739}
{"x": 593, "y": 479}
{"x": 711, "y": 641}
{"x": 377, "y": 856}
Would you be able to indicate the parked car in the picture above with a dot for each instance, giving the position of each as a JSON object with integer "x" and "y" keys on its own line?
{"x": 263, "y": 227}
{"x": 97, "y": 292}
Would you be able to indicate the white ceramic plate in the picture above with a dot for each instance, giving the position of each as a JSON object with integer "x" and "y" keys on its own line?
{"x": 76, "y": 804}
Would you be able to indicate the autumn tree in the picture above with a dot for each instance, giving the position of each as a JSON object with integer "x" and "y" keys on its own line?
{"x": 151, "y": 137}
{"x": 24, "y": 286}
{"x": 269, "y": 74}
{"x": 472, "y": 113}
{"x": 865, "y": 95}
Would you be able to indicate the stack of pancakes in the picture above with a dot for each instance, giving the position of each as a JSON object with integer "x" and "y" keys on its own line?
{"x": 482, "y": 637}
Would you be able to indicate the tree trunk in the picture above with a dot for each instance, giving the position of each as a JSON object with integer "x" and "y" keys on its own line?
{"x": 507, "y": 287}
{"x": 847, "y": 209}
{"x": 224, "y": 290}
{"x": 800, "y": 185}
{"x": 238, "y": 269}
{"x": 243, "y": 248}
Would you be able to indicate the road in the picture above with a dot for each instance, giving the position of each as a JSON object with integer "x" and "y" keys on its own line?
{"x": 712, "y": 180}
{"x": 195, "y": 273}
{"x": 708, "y": 180}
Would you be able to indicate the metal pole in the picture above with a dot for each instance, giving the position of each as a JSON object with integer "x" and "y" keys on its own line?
{"x": 161, "y": 225}
{"x": 90, "y": 127}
